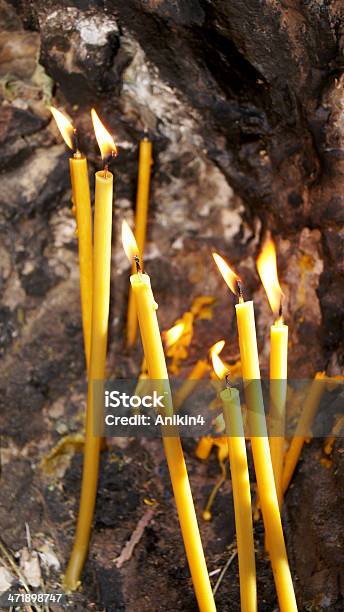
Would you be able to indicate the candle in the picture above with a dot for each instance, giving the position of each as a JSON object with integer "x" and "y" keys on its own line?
{"x": 170, "y": 337}
{"x": 335, "y": 432}
{"x": 241, "y": 488}
{"x": 259, "y": 441}
{"x": 100, "y": 316}
{"x": 153, "y": 349}
{"x": 82, "y": 204}
{"x": 310, "y": 408}
{"x": 200, "y": 369}
{"x": 142, "y": 201}
{"x": 267, "y": 269}
{"x": 204, "y": 447}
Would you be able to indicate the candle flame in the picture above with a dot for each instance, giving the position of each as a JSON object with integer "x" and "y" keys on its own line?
{"x": 64, "y": 125}
{"x": 172, "y": 335}
{"x": 129, "y": 242}
{"x": 219, "y": 367}
{"x": 217, "y": 347}
{"x": 229, "y": 276}
{"x": 267, "y": 270}
{"x": 105, "y": 141}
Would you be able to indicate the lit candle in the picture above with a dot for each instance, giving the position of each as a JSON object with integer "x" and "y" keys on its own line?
{"x": 241, "y": 488}
{"x": 100, "y": 317}
{"x": 142, "y": 201}
{"x": 310, "y": 408}
{"x": 267, "y": 269}
{"x": 157, "y": 370}
{"x": 259, "y": 441}
{"x": 82, "y": 204}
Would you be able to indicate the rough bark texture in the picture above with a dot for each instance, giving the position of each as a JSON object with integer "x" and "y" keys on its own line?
{"x": 244, "y": 102}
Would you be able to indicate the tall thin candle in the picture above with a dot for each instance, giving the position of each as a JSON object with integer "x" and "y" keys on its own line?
{"x": 82, "y": 203}
{"x": 154, "y": 353}
{"x": 241, "y": 488}
{"x": 267, "y": 269}
{"x": 142, "y": 201}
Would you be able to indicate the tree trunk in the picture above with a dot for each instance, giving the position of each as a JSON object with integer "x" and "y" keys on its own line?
{"x": 244, "y": 101}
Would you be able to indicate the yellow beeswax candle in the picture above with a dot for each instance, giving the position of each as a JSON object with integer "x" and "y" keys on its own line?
{"x": 278, "y": 395}
{"x": 262, "y": 458}
{"x": 199, "y": 370}
{"x": 154, "y": 353}
{"x": 142, "y": 201}
{"x": 241, "y": 489}
{"x": 100, "y": 317}
{"x": 82, "y": 207}
{"x": 241, "y": 497}
{"x": 204, "y": 447}
{"x": 82, "y": 203}
{"x": 310, "y": 408}
{"x": 267, "y": 269}
{"x": 260, "y": 443}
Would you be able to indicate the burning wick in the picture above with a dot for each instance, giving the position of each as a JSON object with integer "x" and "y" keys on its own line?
{"x": 137, "y": 264}
{"x": 108, "y": 160}
{"x": 240, "y": 292}
{"x": 130, "y": 246}
{"x": 280, "y": 313}
{"x": 75, "y": 139}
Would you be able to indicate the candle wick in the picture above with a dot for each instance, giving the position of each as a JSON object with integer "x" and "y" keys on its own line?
{"x": 77, "y": 153}
{"x": 106, "y": 169}
{"x": 137, "y": 264}
{"x": 228, "y": 380}
{"x": 240, "y": 292}
{"x": 280, "y": 319}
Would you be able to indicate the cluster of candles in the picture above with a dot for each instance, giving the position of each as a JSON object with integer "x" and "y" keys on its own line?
{"x": 268, "y": 453}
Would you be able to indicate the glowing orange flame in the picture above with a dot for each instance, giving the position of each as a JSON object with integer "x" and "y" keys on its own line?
{"x": 267, "y": 270}
{"x": 172, "y": 335}
{"x": 230, "y": 277}
{"x": 219, "y": 367}
{"x": 217, "y": 347}
{"x": 64, "y": 125}
{"x": 129, "y": 242}
{"x": 104, "y": 138}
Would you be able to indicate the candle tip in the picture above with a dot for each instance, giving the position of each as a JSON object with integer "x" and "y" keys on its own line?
{"x": 137, "y": 263}
{"x": 240, "y": 291}
{"x": 280, "y": 312}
